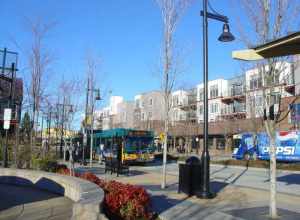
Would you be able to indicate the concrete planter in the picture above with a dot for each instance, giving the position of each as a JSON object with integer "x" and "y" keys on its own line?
{"x": 88, "y": 197}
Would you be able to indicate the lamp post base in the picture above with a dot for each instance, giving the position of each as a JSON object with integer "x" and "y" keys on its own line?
{"x": 205, "y": 195}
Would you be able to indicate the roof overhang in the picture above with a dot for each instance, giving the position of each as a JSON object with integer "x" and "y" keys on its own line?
{"x": 285, "y": 46}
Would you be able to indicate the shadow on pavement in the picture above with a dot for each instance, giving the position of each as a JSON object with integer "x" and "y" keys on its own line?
{"x": 12, "y": 195}
{"x": 136, "y": 172}
{"x": 290, "y": 179}
{"x": 101, "y": 171}
{"x": 217, "y": 187}
{"x": 261, "y": 213}
{"x": 94, "y": 170}
{"x": 157, "y": 188}
{"x": 158, "y": 162}
{"x": 161, "y": 203}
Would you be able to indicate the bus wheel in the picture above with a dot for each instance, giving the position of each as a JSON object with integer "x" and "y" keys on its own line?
{"x": 246, "y": 156}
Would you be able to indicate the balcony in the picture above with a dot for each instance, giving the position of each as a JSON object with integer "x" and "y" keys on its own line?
{"x": 235, "y": 93}
{"x": 289, "y": 84}
{"x": 189, "y": 103}
{"x": 234, "y": 111}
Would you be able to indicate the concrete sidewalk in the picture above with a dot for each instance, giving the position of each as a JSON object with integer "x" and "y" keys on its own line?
{"x": 233, "y": 201}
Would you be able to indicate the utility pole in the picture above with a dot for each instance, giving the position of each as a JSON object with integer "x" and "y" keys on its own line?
{"x": 62, "y": 129}
{"x": 92, "y": 119}
{"x": 92, "y": 125}
{"x": 84, "y": 144}
{"x": 5, "y": 156}
{"x": 49, "y": 126}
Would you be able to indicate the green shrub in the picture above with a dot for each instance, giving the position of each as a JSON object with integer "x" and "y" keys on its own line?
{"x": 45, "y": 164}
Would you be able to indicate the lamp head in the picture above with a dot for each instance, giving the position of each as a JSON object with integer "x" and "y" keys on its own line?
{"x": 71, "y": 109}
{"x": 226, "y": 36}
{"x": 98, "y": 97}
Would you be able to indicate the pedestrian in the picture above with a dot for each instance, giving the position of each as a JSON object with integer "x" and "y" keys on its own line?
{"x": 101, "y": 149}
{"x": 71, "y": 159}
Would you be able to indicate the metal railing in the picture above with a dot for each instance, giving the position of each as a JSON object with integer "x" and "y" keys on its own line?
{"x": 233, "y": 108}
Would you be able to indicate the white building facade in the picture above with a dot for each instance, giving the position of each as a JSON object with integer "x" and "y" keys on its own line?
{"x": 216, "y": 90}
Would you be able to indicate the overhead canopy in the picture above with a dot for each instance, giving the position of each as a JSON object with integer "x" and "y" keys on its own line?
{"x": 122, "y": 132}
{"x": 285, "y": 46}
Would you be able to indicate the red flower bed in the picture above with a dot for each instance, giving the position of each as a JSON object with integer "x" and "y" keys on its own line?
{"x": 121, "y": 200}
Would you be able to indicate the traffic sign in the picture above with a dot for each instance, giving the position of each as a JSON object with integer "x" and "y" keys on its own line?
{"x": 7, "y": 114}
{"x": 7, "y": 118}
{"x": 6, "y": 125}
{"x": 162, "y": 136}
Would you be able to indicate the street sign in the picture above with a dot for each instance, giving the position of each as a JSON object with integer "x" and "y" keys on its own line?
{"x": 7, "y": 114}
{"x": 162, "y": 136}
{"x": 7, "y": 118}
{"x": 6, "y": 125}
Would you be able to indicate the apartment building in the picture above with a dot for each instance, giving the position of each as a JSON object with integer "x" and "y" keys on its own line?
{"x": 148, "y": 109}
{"x": 277, "y": 88}
{"x": 124, "y": 116}
{"x": 234, "y": 100}
{"x": 183, "y": 106}
{"x": 234, "y": 106}
{"x": 106, "y": 117}
{"x": 217, "y": 89}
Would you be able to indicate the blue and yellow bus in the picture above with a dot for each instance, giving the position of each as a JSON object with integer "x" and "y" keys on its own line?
{"x": 134, "y": 145}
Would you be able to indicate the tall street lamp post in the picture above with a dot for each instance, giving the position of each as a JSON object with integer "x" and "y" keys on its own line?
{"x": 226, "y": 36}
{"x": 97, "y": 98}
{"x": 8, "y": 74}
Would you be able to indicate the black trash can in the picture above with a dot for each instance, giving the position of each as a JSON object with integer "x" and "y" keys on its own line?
{"x": 189, "y": 176}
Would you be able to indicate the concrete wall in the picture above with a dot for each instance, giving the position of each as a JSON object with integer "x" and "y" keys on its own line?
{"x": 88, "y": 197}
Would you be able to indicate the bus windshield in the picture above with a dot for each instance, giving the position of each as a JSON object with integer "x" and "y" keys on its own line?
{"x": 140, "y": 144}
{"x": 236, "y": 142}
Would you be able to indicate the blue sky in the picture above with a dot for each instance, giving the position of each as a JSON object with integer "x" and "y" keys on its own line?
{"x": 125, "y": 34}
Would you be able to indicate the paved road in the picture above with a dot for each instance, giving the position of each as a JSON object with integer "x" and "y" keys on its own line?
{"x": 25, "y": 203}
{"x": 287, "y": 181}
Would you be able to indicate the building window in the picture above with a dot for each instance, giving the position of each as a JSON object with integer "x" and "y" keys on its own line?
{"x": 175, "y": 100}
{"x": 137, "y": 103}
{"x": 276, "y": 77}
{"x": 175, "y": 115}
{"x": 151, "y": 102}
{"x": 143, "y": 117}
{"x": 214, "y": 92}
{"x": 274, "y": 99}
{"x": 201, "y": 110}
{"x": 150, "y": 115}
{"x": 255, "y": 82}
{"x": 214, "y": 108}
{"x": 201, "y": 95}
{"x": 259, "y": 101}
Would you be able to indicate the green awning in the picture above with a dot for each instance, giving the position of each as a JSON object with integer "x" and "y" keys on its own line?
{"x": 122, "y": 132}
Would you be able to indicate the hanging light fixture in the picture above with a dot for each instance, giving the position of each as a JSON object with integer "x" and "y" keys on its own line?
{"x": 71, "y": 109}
{"x": 226, "y": 36}
{"x": 97, "y": 95}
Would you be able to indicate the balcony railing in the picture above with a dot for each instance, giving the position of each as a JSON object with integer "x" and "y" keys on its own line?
{"x": 233, "y": 109}
{"x": 236, "y": 91}
{"x": 289, "y": 80}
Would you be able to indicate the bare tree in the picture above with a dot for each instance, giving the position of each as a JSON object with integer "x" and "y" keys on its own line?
{"x": 266, "y": 20}
{"x": 39, "y": 61}
{"x": 171, "y": 11}
{"x": 64, "y": 106}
